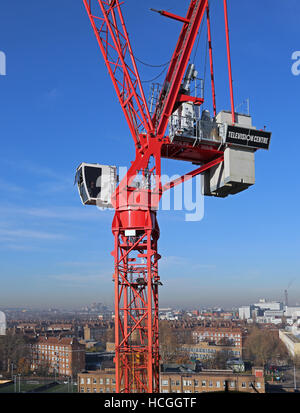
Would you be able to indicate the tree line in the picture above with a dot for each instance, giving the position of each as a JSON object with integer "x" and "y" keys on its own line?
{"x": 15, "y": 354}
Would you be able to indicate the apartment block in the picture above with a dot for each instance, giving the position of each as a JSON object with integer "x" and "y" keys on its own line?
{"x": 205, "y": 350}
{"x": 212, "y": 381}
{"x": 291, "y": 342}
{"x": 62, "y": 355}
{"x": 100, "y": 381}
{"x": 219, "y": 335}
{"x": 103, "y": 381}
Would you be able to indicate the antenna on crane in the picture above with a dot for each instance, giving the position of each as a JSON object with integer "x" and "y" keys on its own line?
{"x": 190, "y": 75}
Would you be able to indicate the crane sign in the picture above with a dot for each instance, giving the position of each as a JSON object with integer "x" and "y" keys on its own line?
{"x": 222, "y": 147}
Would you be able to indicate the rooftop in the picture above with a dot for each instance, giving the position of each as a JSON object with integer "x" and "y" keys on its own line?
{"x": 293, "y": 338}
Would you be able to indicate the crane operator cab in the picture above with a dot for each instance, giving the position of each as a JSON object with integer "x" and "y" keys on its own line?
{"x": 96, "y": 183}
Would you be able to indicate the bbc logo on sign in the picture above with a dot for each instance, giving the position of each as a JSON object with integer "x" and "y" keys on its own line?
{"x": 2, "y": 64}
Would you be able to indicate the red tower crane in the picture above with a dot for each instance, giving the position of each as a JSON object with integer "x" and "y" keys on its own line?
{"x": 135, "y": 227}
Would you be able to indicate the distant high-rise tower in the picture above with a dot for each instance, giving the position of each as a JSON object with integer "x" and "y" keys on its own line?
{"x": 2, "y": 324}
{"x": 286, "y": 302}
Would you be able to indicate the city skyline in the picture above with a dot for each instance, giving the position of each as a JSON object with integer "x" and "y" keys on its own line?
{"x": 109, "y": 306}
{"x": 58, "y": 109}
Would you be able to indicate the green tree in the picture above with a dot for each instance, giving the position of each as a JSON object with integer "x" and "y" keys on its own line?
{"x": 170, "y": 344}
{"x": 219, "y": 360}
{"x": 14, "y": 350}
{"x": 43, "y": 370}
{"x": 264, "y": 346}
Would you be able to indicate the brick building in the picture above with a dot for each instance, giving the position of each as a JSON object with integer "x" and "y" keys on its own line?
{"x": 219, "y": 333}
{"x": 213, "y": 380}
{"x": 94, "y": 332}
{"x": 103, "y": 381}
{"x": 99, "y": 381}
{"x": 47, "y": 328}
{"x": 59, "y": 328}
{"x": 205, "y": 350}
{"x": 62, "y": 355}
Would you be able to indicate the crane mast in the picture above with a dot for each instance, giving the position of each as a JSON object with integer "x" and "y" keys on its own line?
{"x": 136, "y": 198}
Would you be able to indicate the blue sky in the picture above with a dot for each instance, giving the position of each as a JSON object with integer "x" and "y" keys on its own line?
{"x": 58, "y": 108}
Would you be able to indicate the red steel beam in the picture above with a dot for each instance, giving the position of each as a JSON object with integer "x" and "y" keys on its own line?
{"x": 191, "y": 174}
{"x": 229, "y": 61}
{"x": 211, "y": 61}
{"x": 172, "y": 16}
{"x": 109, "y": 27}
{"x": 136, "y": 258}
{"x": 178, "y": 65}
